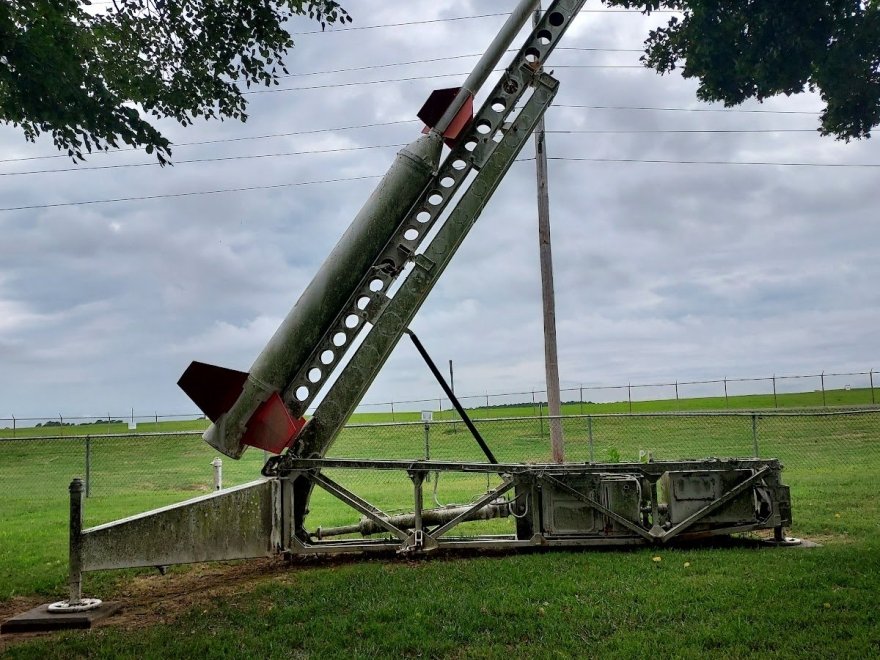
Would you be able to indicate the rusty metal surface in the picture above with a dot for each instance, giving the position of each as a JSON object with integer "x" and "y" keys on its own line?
{"x": 239, "y": 523}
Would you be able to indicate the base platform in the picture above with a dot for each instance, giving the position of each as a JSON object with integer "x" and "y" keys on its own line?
{"x": 40, "y": 619}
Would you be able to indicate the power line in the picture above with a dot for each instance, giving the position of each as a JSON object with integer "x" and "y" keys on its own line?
{"x": 87, "y": 168}
{"x": 352, "y": 28}
{"x": 357, "y": 83}
{"x": 413, "y": 121}
{"x": 207, "y": 160}
{"x": 221, "y": 140}
{"x": 187, "y": 194}
{"x": 685, "y": 130}
{"x": 447, "y": 58}
{"x": 709, "y": 162}
{"x": 376, "y": 176}
{"x": 660, "y": 109}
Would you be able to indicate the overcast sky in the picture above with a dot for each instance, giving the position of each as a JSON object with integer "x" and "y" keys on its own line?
{"x": 663, "y": 271}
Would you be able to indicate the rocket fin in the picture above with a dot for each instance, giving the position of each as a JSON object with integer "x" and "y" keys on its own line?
{"x": 271, "y": 427}
{"x": 213, "y": 389}
{"x": 436, "y": 105}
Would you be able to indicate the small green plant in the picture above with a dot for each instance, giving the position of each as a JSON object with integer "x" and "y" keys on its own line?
{"x": 613, "y": 455}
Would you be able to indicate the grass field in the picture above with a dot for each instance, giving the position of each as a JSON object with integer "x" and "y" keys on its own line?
{"x": 729, "y": 602}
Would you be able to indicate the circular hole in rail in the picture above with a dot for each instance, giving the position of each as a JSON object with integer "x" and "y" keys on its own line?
{"x": 375, "y": 285}
{"x": 556, "y": 19}
{"x": 314, "y": 374}
{"x": 302, "y": 393}
{"x": 498, "y": 104}
{"x": 411, "y": 234}
{"x": 339, "y": 339}
{"x": 483, "y": 127}
{"x": 352, "y": 320}
{"x": 327, "y": 357}
{"x": 362, "y": 302}
{"x": 533, "y": 55}
{"x": 435, "y": 198}
{"x": 447, "y": 182}
{"x": 423, "y": 216}
{"x": 470, "y": 145}
{"x": 458, "y": 164}
{"x": 544, "y": 37}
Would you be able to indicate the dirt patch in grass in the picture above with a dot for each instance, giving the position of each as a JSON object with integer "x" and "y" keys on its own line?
{"x": 156, "y": 598}
{"x": 151, "y": 599}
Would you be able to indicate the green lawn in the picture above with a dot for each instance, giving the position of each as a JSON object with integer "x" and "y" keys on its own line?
{"x": 728, "y": 602}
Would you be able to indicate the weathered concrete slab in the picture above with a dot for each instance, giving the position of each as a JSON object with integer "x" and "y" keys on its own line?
{"x": 40, "y": 619}
{"x": 242, "y": 522}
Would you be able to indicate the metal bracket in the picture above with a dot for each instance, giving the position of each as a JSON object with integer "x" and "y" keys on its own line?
{"x": 630, "y": 525}
{"x": 357, "y": 503}
{"x": 709, "y": 508}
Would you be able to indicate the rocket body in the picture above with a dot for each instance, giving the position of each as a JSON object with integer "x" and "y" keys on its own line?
{"x": 318, "y": 306}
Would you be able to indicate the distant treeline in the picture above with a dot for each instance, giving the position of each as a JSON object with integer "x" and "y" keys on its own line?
{"x": 97, "y": 421}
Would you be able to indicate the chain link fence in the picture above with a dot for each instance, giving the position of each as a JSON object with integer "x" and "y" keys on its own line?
{"x": 830, "y": 456}
{"x": 822, "y": 390}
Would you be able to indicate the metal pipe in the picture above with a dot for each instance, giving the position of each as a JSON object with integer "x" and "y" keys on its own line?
{"x": 75, "y": 557}
{"x": 455, "y": 402}
{"x": 755, "y": 433}
{"x": 367, "y": 527}
{"x": 488, "y": 61}
{"x": 217, "y": 464}
{"x": 88, "y": 485}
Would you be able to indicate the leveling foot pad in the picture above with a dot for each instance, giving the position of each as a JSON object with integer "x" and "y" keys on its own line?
{"x": 40, "y": 619}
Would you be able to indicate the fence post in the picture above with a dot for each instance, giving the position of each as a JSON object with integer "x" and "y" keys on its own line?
{"x": 726, "y": 402}
{"x": 13, "y": 416}
{"x": 629, "y": 390}
{"x": 88, "y": 484}
{"x": 582, "y": 399}
{"x": 217, "y": 464}
{"x": 677, "y": 406}
{"x": 534, "y": 406}
{"x": 61, "y": 421}
{"x": 590, "y": 435}
{"x": 755, "y": 433}
{"x": 870, "y": 374}
{"x": 427, "y": 441}
{"x": 822, "y": 380}
{"x": 775, "y": 403}
{"x": 392, "y": 411}
{"x": 75, "y": 557}
{"x": 541, "y": 416}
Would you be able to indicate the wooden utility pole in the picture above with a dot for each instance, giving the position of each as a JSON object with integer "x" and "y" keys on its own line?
{"x": 551, "y": 362}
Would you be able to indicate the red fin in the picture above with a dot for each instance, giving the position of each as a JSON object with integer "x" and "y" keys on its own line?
{"x": 272, "y": 428}
{"x": 213, "y": 389}
{"x": 435, "y": 107}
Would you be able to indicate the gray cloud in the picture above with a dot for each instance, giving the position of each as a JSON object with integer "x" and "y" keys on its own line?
{"x": 662, "y": 271}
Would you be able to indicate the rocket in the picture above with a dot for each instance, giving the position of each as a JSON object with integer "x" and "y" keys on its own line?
{"x": 247, "y": 408}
